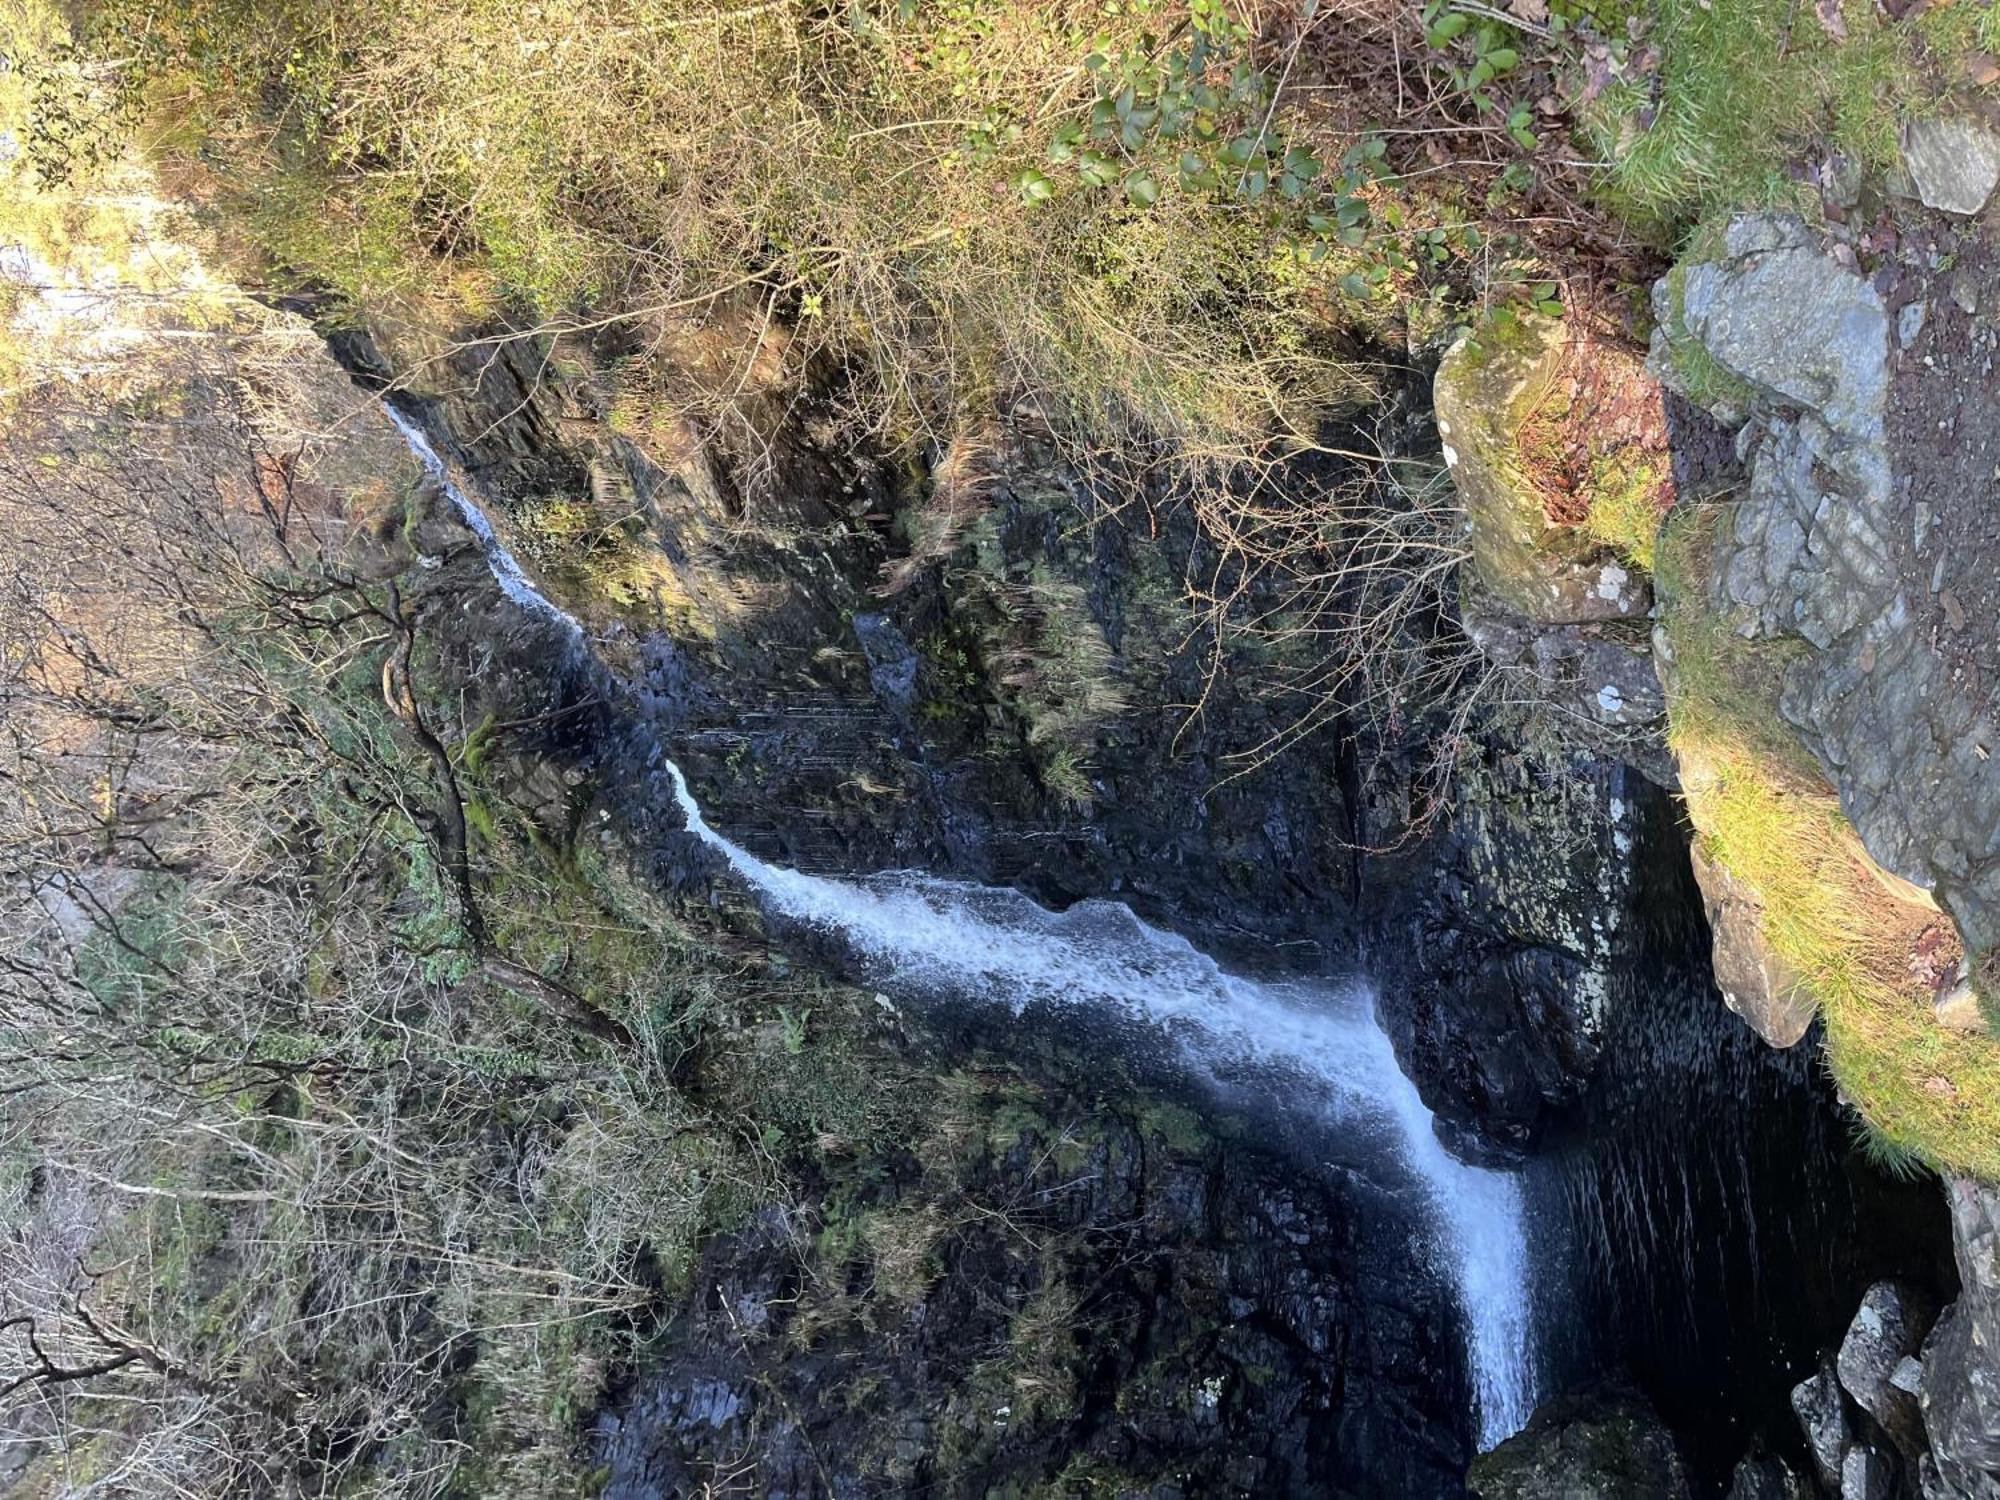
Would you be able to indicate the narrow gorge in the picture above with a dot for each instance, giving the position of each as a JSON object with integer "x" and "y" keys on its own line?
{"x": 1101, "y": 750}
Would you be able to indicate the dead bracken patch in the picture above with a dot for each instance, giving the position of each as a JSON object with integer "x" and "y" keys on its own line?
{"x": 1599, "y": 438}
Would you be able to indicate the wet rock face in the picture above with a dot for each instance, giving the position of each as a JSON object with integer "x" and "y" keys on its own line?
{"x": 1888, "y": 1329}
{"x": 1764, "y": 1476}
{"x": 1505, "y": 934}
{"x": 1223, "y": 1329}
{"x": 1959, "y": 1386}
{"x": 1590, "y": 1447}
{"x": 1850, "y": 526}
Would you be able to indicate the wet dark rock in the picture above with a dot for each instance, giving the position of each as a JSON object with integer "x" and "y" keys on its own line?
{"x": 1822, "y": 1415}
{"x": 1599, "y": 678}
{"x": 1959, "y": 1389}
{"x": 1888, "y": 1328}
{"x": 1245, "y": 1337}
{"x": 1766, "y": 1476}
{"x": 1608, "y": 1446}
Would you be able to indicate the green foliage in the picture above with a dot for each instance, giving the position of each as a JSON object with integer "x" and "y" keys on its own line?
{"x": 1624, "y": 509}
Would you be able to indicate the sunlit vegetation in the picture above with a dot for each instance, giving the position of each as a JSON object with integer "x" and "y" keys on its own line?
{"x": 1707, "y": 105}
{"x": 1763, "y": 809}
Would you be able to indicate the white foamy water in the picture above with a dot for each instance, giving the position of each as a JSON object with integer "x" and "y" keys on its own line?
{"x": 984, "y": 942}
{"x": 994, "y": 944}
{"x": 513, "y": 581}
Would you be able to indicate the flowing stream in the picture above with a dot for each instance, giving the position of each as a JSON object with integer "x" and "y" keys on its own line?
{"x": 928, "y": 935}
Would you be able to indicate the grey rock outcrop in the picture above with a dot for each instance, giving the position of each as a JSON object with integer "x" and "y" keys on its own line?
{"x": 1959, "y": 1390}
{"x": 1954, "y": 165}
{"x": 1755, "y": 981}
{"x": 1826, "y": 549}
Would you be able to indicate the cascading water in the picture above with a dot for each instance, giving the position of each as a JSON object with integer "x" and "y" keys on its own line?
{"x": 984, "y": 943}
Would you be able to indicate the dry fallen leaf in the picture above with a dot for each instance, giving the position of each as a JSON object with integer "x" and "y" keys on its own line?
{"x": 1830, "y": 19}
{"x": 1982, "y": 68}
{"x": 1534, "y": 12}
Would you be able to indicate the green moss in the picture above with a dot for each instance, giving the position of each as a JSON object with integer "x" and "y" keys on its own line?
{"x": 1702, "y": 379}
{"x": 1181, "y": 1129}
{"x": 1624, "y": 509}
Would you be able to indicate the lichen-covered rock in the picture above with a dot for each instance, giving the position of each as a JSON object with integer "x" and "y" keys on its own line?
{"x": 1600, "y": 676}
{"x": 1755, "y": 981}
{"x": 1953, "y": 164}
{"x": 1780, "y": 314}
{"x": 1959, "y": 1390}
{"x": 1597, "y": 1446}
{"x": 1531, "y": 564}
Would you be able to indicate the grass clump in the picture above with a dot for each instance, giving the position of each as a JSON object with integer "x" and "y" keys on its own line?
{"x": 1766, "y": 814}
{"x": 1739, "y": 89}
{"x": 1624, "y": 511}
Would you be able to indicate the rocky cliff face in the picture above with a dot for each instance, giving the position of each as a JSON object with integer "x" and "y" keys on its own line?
{"x": 1861, "y": 551}
{"x": 844, "y": 697}
{"x": 1859, "y": 537}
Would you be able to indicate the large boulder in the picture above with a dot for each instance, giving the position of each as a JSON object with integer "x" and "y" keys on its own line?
{"x": 1533, "y": 564}
{"x": 1595, "y": 1446}
{"x": 1756, "y": 982}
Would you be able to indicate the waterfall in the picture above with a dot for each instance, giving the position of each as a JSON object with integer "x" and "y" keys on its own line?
{"x": 984, "y": 943}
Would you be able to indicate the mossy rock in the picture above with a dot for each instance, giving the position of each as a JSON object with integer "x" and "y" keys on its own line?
{"x": 1533, "y": 565}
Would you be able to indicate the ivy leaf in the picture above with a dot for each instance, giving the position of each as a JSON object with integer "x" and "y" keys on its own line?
{"x": 1098, "y": 169}
{"x": 1142, "y": 189}
{"x": 1034, "y": 185}
{"x": 1448, "y": 29}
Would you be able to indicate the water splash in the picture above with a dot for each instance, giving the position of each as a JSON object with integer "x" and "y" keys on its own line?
{"x": 997, "y": 945}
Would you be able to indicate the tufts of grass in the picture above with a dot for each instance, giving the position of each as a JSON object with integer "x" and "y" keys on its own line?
{"x": 1059, "y": 672}
{"x": 1766, "y": 814}
{"x": 1740, "y": 89}
{"x": 1624, "y": 509}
